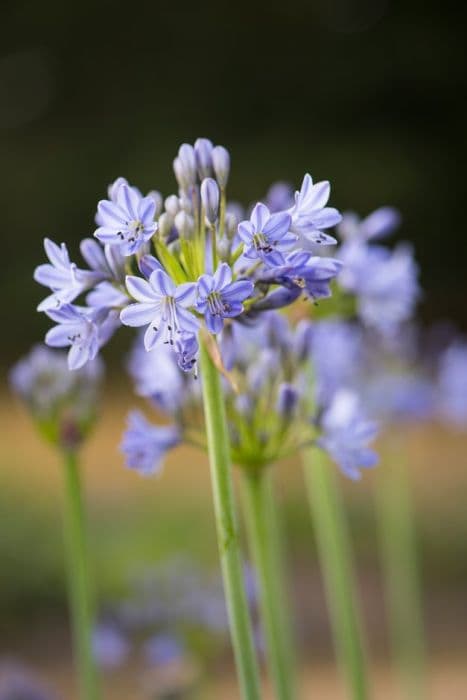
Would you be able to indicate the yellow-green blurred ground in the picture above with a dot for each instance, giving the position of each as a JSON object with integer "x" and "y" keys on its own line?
{"x": 135, "y": 521}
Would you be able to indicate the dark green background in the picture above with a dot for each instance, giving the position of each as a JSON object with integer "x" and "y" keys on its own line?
{"x": 366, "y": 94}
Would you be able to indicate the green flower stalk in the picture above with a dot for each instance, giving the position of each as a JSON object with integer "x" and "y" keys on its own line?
{"x": 399, "y": 553}
{"x": 62, "y": 404}
{"x": 335, "y": 556}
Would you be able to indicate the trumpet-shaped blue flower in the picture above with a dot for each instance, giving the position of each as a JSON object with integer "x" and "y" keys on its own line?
{"x": 347, "y": 433}
{"x": 77, "y": 329}
{"x": 186, "y": 349}
{"x": 219, "y": 297}
{"x": 162, "y": 306}
{"x": 108, "y": 260}
{"x": 308, "y": 272}
{"x": 63, "y": 277}
{"x": 145, "y": 445}
{"x": 310, "y": 215}
{"x": 265, "y": 235}
{"x": 128, "y": 222}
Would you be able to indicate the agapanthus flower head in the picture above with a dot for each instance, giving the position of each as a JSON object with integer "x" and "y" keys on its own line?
{"x": 346, "y": 434}
{"x": 145, "y": 445}
{"x": 185, "y": 261}
{"x": 62, "y": 402}
{"x": 128, "y": 222}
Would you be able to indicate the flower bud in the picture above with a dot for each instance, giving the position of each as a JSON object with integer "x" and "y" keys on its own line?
{"x": 166, "y": 222}
{"x": 157, "y": 198}
{"x": 203, "y": 153}
{"x": 210, "y": 199}
{"x": 172, "y": 205}
{"x": 221, "y": 164}
{"x": 186, "y": 165}
{"x": 287, "y": 400}
{"x": 184, "y": 224}
{"x": 231, "y": 224}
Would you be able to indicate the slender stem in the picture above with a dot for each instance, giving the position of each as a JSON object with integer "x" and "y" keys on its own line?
{"x": 264, "y": 540}
{"x": 80, "y": 599}
{"x": 401, "y": 575}
{"x": 335, "y": 556}
{"x": 227, "y": 529}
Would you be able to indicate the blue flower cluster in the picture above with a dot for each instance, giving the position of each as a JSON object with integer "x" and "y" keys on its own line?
{"x": 190, "y": 260}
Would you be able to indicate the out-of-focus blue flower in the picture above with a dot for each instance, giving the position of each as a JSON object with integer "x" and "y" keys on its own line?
{"x": 162, "y": 306}
{"x": 219, "y": 297}
{"x": 110, "y": 645}
{"x": 156, "y": 376}
{"x": 337, "y": 354}
{"x": 379, "y": 224}
{"x": 310, "y": 215}
{"x": 162, "y": 649}
{"x": 265, "y": 235}
{"x": 77, "y": 329}
{"x": 128, "y": 222}
{"x": 399, "y": 397}
{"x": 63, "y": 277}
{"x": 452, "y": 383}
{"x": 145, "y": 445}
{"x": 279, "y": 197}
{"x": 18, "y": 684}
{"x": 385, "y": 283}
{"x": 347, "y": 433}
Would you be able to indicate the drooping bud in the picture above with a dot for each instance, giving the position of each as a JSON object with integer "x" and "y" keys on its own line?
{"x": 287, "y": 400}
{"x": 221, "y": 164}
{"x": 172, "y": 205}
{"x": 203, "y": 153}
{"x": 210, "y": 199}
{"x": 184, "y": 224}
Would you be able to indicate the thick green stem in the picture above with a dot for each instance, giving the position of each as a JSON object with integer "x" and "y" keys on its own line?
{"x": 227, "y": 528}
{"x": 401, "y": 575}
{"x": 80, "y": 598}
{"x": 265, "y": 545}
{"x": 336, "y": 561}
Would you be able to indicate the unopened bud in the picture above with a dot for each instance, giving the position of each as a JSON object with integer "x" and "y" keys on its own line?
{"x": 184, "y": 224}
{"x": 158, "y": 201}
{"x": 186, "y": 165}
{"x": 221, "y": 164}
{"x": 203, "y": 153}
{"x": 172, "y": 205}
{"x": 210, "y": 199}
{"x": 166, "y": 223}
{"x": 287, "y": 400}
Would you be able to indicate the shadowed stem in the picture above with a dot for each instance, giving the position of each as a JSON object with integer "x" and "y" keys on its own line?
{"x": 401, "y": 575}
{"x": 335, "y": 557}
{"x": 79, "y": 589}
{"x": 265, "y": 544}
{"x": 227, "y": 528}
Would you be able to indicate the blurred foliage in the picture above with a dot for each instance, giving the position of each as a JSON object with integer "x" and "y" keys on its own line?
{"x": 367, "y": 93}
